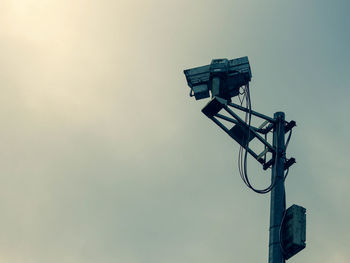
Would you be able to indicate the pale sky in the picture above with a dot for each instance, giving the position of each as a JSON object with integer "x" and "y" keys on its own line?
{"x": 105, "y": 158}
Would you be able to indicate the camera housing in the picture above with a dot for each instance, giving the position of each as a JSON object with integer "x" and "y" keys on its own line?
{"x": 221, "y": 78}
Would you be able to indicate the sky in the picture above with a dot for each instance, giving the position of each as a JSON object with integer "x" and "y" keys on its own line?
{"x": 105, "y": 158}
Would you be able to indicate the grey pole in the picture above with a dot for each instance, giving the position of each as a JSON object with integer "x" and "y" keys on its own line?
{"x": 278, "y": 202}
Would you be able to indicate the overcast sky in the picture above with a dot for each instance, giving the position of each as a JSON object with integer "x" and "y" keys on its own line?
{"x": 105, "y": 158}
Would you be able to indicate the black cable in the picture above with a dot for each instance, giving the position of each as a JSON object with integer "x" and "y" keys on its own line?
{"x": 191, "y": 93}
{"x": 282, "y": 221}
{"x": 288, "y": 139}
{"x": 285, "y": 150}
{"x": 285, "y": 176}
{"x": 240, "y": 153}
{"x": 242, "y": 161}
{"x": 249, "y": 106}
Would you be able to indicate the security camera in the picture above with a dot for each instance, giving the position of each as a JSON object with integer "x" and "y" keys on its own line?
{"x": 222, "y": 78}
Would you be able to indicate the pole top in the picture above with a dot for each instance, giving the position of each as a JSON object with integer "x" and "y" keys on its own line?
{"x": 279, "y": 114}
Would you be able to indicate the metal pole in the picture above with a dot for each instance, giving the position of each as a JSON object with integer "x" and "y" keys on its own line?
{"x": 278, "y": 202}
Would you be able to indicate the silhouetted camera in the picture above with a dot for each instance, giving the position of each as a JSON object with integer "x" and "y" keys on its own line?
{"x": 222, "y": 78}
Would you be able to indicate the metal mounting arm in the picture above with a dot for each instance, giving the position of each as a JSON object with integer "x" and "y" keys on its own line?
{"x": 241, "y": 122}
{"x": 252, "y": 153}
{"x": 243, "y": 133}
{"x": 257, "y": 114}
{"x": 257, "y": 129}
{"x": 240, "y": 132}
